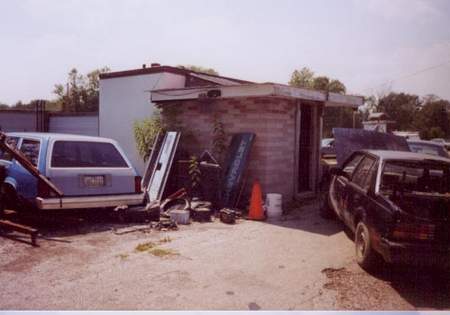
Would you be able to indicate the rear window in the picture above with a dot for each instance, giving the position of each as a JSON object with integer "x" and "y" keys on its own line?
{"x": 428, "y": 149}
{"x": 86, "y": 154}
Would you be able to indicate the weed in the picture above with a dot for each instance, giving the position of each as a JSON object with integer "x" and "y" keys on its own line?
{"x": 166, "y": 239}
{"x": 122, "y": 256}
{"x": 162, "y": 252}
{"x": 144, "y": 246}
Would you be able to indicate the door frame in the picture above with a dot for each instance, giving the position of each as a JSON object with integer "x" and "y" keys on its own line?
{"x": 316, "y": 135}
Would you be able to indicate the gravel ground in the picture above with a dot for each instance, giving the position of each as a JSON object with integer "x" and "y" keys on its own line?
{"x": 301, "y": 262}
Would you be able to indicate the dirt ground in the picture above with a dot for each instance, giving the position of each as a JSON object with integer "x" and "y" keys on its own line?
{"x": 300, "y": 262}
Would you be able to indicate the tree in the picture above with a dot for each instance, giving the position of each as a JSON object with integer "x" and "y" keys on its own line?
{"x": 199, "y": 69}
{"x": 400, "y": 107}
{"x": 432, "y": 120}
{"x": 333, "y": 116}
{"x": 145, "y": 132}
{"x": 80, "y": 93}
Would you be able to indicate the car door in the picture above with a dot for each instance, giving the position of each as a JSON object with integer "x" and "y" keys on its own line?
{"x": 26, "y": 182}
{"x": 358, "y": 189}
{"x": 338, "y": 188}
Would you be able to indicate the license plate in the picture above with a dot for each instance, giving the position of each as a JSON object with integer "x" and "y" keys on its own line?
{"x": 94, "y": 181}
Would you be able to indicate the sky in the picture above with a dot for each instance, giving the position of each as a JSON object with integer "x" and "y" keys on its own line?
{"x": 372, "y": 46}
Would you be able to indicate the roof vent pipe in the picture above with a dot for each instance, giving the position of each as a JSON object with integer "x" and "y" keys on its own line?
{"x": 144, "y": 66}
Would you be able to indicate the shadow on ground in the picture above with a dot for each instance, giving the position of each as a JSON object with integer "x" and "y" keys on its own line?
{"x": 54, "y": 225}
{"x": 306, "y": 218}
{"x": 421, "y": 287}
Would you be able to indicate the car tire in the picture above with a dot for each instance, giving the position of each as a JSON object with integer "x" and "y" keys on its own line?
{"x": 366, "y": 257}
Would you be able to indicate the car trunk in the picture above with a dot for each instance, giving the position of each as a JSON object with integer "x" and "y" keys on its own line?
{"x": 93, "y": 181}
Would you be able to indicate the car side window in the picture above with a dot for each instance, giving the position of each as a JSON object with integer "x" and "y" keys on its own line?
{"x": 363, "y": 174}
{"x": 86, "y": 154}
{"x": 30, "y": 148}
{"x": 350, "y": 166}
{"x": 12, "y": 141}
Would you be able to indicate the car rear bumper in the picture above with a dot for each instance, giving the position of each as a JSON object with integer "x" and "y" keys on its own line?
{"x": 415, "y": 254}
{"x": 89, "y": 202}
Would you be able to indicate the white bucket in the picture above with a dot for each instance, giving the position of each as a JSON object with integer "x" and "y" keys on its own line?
{"x": 180, "y": 216}
{"x": 273, "y": 205}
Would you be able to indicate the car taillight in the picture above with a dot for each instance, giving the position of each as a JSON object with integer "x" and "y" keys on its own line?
{"x": 413, "y": 231}
{"x": 137, "y": 184}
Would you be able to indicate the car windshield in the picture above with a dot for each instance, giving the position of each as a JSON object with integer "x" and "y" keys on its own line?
{"x": 415, "y": 176}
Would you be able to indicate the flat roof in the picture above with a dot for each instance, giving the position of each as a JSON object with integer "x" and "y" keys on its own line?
{"x": 258, "y": 90}
{"x": 170, "y": 69}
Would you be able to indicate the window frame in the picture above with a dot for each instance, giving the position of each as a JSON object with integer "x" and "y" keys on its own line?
{"x": 52, "y": 146}
{"x": 368, "y": 181}
{"x": 19, "y": 148}
{"x": 362, "y": 155}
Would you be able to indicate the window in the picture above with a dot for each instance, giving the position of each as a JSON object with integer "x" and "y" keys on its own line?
{"x": 30, "y": 148}
{"x": 351, "y": 165}
{"x": 86, "y": 154}
{"x": 363, "y": 174}
{"x": 428, "y": 149}
{"x": 415, "y": 176}
{"x": 12, "y": 141}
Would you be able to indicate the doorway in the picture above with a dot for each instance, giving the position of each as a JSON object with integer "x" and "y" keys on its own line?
{"x": 307, "y": 133}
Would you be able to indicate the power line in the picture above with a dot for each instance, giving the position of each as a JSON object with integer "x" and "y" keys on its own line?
{"x": 415, "y": 73}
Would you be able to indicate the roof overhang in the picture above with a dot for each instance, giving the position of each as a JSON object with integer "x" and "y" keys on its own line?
{"x": 258, "y": 90}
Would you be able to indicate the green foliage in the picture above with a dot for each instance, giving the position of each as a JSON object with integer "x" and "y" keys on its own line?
{"x": 194, "y": 172}
{"x": 428, "y": 115}
{"x": 145, "y": 132}
{"x": 400, "y": 107}
{"x": 432, "y": 120}
{"x": 306, "y": 78}
{"x": 199, "y": 69}
{"x": 80, "y": 93}
{"x": 219, "y": 137}
{"x": 333, "y": 116}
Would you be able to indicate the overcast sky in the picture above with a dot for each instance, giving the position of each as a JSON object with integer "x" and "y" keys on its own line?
{"x": 366, "y": 44}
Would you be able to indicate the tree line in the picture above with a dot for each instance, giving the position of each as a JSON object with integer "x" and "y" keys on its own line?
{"x": 429, "y": 115}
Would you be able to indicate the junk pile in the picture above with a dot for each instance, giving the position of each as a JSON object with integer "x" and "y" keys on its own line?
{"x": 218, "y": 193}
{"x": 22, "y": 160}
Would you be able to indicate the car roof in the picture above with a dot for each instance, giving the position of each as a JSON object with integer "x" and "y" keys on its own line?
{"x": 57, "y": 136}
{"x": 404, "y": 155}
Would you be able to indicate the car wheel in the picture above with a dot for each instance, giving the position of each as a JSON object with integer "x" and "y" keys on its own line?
{"x": 366, "y": 257}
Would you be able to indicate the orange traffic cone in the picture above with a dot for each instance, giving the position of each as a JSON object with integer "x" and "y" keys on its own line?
{"x": 256, "y": 211}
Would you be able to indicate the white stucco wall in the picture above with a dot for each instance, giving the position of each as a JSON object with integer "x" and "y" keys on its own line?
{"x": 124, "y": 100}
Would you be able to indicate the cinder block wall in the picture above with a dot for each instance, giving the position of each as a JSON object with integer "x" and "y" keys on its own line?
{"x": 273, "y": 122}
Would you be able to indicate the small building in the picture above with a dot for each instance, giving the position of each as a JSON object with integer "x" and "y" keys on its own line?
{"x": 287, "y": 122}
{"x": 124, "y": 99}
{"x": 380, "y": 122}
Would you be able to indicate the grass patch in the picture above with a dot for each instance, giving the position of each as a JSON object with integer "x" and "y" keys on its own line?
{"x": 165, "y": 240}
{"x": 162, "y": 252}
{"x": 122, "y": 256}
{"x": 144, "y": 246}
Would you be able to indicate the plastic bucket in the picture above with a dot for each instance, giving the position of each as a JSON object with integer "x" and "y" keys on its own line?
{"x": 273, "y": 205}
